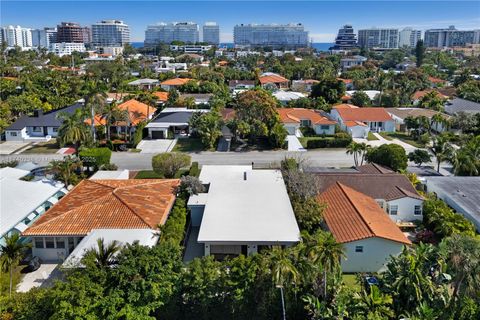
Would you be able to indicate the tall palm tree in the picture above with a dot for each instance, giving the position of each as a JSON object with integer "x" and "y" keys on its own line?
{"x": 282, "y": 267}
{"x": 109, "y": 112}
{"x": 64, "y": 170}
{"x": 104, "y": 255}
{"x": 10, "y": 255}
{"x": 354, "y": 148}
{"x": 73, "y": 129}
{"x": 441, "y": 149}
{"x": 94, "y": 99}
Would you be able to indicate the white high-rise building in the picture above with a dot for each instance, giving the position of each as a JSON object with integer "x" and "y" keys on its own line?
{"x": 186, "y": 32}
{"x": 378, "y": 38}
{"x": 66, "y": 48}
{"x": 110, "y": 33}
{"x": 43, "y": 37}
{"x": 409, "y": 37}
{"x": 271, "y": 35}
{"x": 17, "y": 36}
{"x": 450, "y": 37}
{"x": 211, "y": 33}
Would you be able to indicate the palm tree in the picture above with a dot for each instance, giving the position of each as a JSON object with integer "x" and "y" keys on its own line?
{"x": 109, "y": 112}
{"x": 282, "y": 267}
{"x": 374, "y": 303}
{"x": 441, "y": 149}
{"x": 94, "y": 99}
{"x": 354, "y": 148}
{"x": 64, "y": 170}
{"x": 11, "y": 254}
{"x": 73, "y": 128}
{"x": 103, "y": 255}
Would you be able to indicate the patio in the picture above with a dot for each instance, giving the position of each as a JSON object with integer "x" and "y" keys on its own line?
{"x": 42, "y": 277}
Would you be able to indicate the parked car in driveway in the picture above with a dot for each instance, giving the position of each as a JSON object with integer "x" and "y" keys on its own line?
{"x": 33, "y": 264}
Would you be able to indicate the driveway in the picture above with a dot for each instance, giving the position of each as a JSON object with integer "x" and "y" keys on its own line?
{"x": 381, "y": 140}
{"x": 8, "y": 147}
{"x": 294, "y": 144}
{"x": 156, "y": 146}
{"x": 42, "y": 277}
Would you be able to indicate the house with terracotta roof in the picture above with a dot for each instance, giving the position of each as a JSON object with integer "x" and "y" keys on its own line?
{"x": 392, "y": 191}
{"x": 161, "y": 96}
{"x": 174, "y": 83}
{"x": 295, "y": 118}
{"x": 304, "y": 85}
{"x": 359, "y": 121}
{"x": 437, "y": 82}
{"x": 418, "y": 95}
{"x": 270, "y": 79}
{"x": 356, "y": 220}
{"x": 400, "y": 114}
{"x": 93, "y": 205}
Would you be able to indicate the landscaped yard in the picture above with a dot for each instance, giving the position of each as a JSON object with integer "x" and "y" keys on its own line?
{"x": 402, "y": 137}
{"x": 188, "y": 145}
{"x": 5, "y": 280}
{"x": 371, "y": 136}
{"x": 350, "y": 280}
{"x": 304, "y": 140}
{"x": 43, "y": 147}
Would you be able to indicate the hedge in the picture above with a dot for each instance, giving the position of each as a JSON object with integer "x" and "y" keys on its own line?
{"x": 194, "y": 170}
{"x": 328, "y": 143}
{"x": 95, "y": 157}
{"x": 174, "y": 229}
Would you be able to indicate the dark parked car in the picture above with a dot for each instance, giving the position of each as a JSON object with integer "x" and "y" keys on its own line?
{"x": 33, "y": 264}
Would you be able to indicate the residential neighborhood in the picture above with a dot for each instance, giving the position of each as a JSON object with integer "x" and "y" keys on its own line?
{"x": 182, "y": 161}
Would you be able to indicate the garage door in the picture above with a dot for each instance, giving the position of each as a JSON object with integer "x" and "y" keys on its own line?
{"x": 157, "y": 135}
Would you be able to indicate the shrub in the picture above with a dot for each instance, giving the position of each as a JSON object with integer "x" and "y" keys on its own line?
{"x": 173, "y": 230}
{"x": 328, "y": 143}
{"x": 169, "y": 163}
{"x": 138, "y": 135}
{"x": 194, "y": 170}
{"x": 190, "y": 185}
{"x": 109, "y": 167}
{"x": 11, "y": 164}
{"x": 308, "y": 132}
{"x": 390, "y": 155}
{"x": 95, "y": 157}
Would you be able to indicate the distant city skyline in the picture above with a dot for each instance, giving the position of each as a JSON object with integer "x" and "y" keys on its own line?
{"x": 321, "y": 18}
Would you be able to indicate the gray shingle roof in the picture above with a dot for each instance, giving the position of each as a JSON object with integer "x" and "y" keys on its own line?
{"x": 173, "y": 117}
{"x": 461, "y": 105}
{"x": 48, "y": 119}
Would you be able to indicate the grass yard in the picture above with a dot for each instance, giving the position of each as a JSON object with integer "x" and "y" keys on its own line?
{"x": 188, "y": 145}
{"x": 371, "y": 136}
{"x": 403, "y": 137}
{"x": 386, "y": 136}
{"x": 5, "y": 280}
{"x": 350, "y": 280}
{"x": 42, "y": 147}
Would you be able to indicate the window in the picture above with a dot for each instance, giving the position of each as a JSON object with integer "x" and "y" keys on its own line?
{"x": 418, "y": 211}
{"x": 325, "y": 127}
{"x": 60, "y": 242}
{"x": 305, "y": 123}
{"x": 13, "y": 134}
{"x": 393, "y": 210}
{"x": 49, "y": 243}
{"x": 55, "y": 129}
{"x": 37, "y": 129}
{"x": 358, "y": 248}
{"x": 39, "y": 243}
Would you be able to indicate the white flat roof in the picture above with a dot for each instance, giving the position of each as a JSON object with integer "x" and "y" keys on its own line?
{"x": 145, "y": 237}
{"x": 19, "y": 198}
{"x": 254, "y": 210}
{"x": 116, "y": 175}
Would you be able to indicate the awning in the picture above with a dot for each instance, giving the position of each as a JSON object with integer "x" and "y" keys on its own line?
{"x": 21, "y": 227}
{"x": 53, "y": 200}
{"x": 31, "y": 216}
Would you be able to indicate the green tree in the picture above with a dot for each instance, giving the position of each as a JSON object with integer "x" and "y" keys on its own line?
{"x": 73, "y": 129}
{"x": 390, "y": 155}
{"x": 469, "y": 90}
{"x": 94, "y": 99}
{"x": 66, "y": 170}
{"x": 169, "y": 163}
{"x": 10, "y": 255}
{"x": 441, "y": 149}
{"x": 432, "y": 101}
{"x": 374, "y": 304}
{"x": 207, "y": 125}
{"x": 419, "y": 53}
{"x": 466, "y": 160}
{"x": 104, "y": 255}
{"x": 419, "y": 156}
{"x": 361, "y": 99}
{"x": 329, "y": 89}
{"x": 359, "y": 151}
{"x": 278, "y": 135}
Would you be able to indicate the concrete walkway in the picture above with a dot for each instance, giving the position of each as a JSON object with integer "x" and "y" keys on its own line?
{"x": 42, "y": 277}
{"x": 13, "y": 147}
{"x": 294, "y": 144}
{"x": 381, "y": 140}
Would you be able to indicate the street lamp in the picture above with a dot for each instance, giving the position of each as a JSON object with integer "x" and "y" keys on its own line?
{"x": 283, "y": 301}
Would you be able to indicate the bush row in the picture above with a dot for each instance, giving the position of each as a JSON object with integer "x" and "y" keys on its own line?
{"x": 328, "y": 143}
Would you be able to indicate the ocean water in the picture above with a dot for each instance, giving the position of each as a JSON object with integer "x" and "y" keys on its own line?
{"x": 320, "y": 46}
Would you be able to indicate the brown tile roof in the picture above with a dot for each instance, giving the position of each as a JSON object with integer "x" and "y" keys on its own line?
{"x": 344, "y": 106}
{"x": 351, "y": 215}
{"x": 108, "y": 204}
{"x": 227, "y": 114}
{"x": 421, "y": 93}
{"x": 272, "y": 78}
{"x": 363, "y": 114}
{"x": 354, "y": 123}
{"x": 346, "y": 81}
{"x": 373, "y": 168}
{"x": 345, "y": 97}
{"x": 387, "y": 186}
{"x": 294, "y": 115}
{"x": 233, "y": 83}
{"x": 162, "y": 96}
{"x": 176, "y": 81}
{"x": 137, "y": 113}
{"x": 435, "y": 80}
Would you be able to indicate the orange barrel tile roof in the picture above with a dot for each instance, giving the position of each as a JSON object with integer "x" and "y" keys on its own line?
{"x": 108, "y": 204}
{"x": 272, "y": 78}
{"x": 363, "y": 114}
{"x": 294, "y": 115}
{"x": 137, "y": 111}
{"x": 162, "y": 96}
{"x": 344, "y": 106}
{"x": 421, "y": 93}
{"x": 176, "y": 81}
{"x": 352, "y": 215}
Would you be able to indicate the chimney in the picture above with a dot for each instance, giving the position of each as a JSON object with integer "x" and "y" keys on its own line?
{"x": 245, "y": 175}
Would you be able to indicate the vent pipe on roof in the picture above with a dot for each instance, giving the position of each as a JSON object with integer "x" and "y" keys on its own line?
{"x": 245, "y": 175}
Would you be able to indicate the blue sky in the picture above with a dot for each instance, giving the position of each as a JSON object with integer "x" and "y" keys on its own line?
{"x": 321, "y": 18}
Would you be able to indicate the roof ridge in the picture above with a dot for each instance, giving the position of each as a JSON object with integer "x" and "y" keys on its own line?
{"x": 129, "y": 208}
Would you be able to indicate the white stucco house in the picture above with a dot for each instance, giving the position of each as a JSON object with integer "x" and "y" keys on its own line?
{"x": 243, "y": 211}
{"x": 174, "y": 120}
{"x": 295, "y": 118}
{"x": 356, "y": 220}
{"x": 286, "y": 96}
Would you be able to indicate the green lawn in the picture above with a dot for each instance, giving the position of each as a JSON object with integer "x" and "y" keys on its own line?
{"x": 350, "y": 280}
{"x": 43, "y": 147}
{"x": 371, "y": 136}
{"x": 5, "y": 280}
{"x": 188, "y": 145}
{"x": 386, "y": 136}
{"x": 403, "y": 137}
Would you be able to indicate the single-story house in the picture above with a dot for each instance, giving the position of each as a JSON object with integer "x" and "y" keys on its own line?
{"x": 111, "y": 174}
{"x": 418, "y": 95}
{"x": 368, "y": 236}
{"x": 392, "y": 191}
{"x": 354, "y": 61}
{"x": 242, "y": 211}
{"x": 174, "y": 83}
{"x": 303, "y": 85}
{"x": 460, "y": 193}
{"x": 370, "y": 93}
{"x": 199, "y": 98}
{"x": 38, "y": 127}
{"x": 399, "y": 115}
{"x": 295, "y": 118}
{"x": 457, "y": 105}
{"x": 359, "y": 121}
{"x": 101, "y": 204}
{"x": 270, "y": 79}
{"x": 286, "y": 96}
{"x": 145, "y": 84}
{"x": 175, "y": 120}
{"x": 22, "y": 202}
{"x": 161, "y": 96}
{"x": 241, "y": 85}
